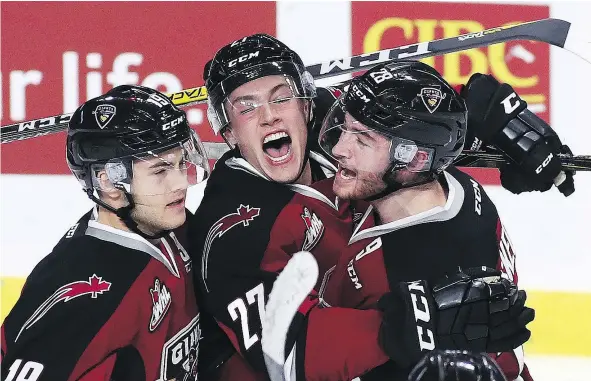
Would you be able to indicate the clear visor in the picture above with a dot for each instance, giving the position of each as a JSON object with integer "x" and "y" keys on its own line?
{"x": 362, "y": 149}
{"x": 277, "y": 92}
{"x": 171, "y": 171}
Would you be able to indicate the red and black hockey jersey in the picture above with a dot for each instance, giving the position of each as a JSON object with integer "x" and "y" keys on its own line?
{"x": 465, "y": 232}
{"x": 243, "y": 234}
{"x": 105, "y": 305}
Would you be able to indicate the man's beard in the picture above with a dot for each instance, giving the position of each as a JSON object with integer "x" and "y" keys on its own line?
{"x": 366, "y": 185}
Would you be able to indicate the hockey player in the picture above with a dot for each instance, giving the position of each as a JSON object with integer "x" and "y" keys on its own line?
{"x": 114, "y": 300}
{"x": 258, "y": 210}
{"x": 394, "y": 135}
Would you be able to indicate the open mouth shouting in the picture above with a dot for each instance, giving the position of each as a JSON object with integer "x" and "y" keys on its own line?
{"x": 346, "y": 174}
{"x": 277, "y": 147}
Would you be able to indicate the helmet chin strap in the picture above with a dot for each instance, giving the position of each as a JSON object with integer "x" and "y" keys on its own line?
{"x": 394, "y": 186}
{"x": 124, "y": 213}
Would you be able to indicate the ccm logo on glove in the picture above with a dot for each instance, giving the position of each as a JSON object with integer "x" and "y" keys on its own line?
{"x": 509, "y": 108}
{"x": 544, "y": 163}
{"x": 421, "y": 310}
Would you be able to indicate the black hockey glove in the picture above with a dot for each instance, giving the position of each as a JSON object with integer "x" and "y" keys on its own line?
{"x": 475, "y": 309}
{"x": 499, "y": 117}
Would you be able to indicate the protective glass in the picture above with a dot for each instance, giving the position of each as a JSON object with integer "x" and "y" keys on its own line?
{"x": 298, "y": 84}
{"x": 353, "y": 144}
{"x": 156, "y": 173}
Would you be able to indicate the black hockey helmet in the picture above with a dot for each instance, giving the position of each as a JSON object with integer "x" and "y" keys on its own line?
{"x": 129, "y": 123}
{"x": 454, "y": 365}
{"x": 408, "y": 102}
{"x": 247, "y": 59}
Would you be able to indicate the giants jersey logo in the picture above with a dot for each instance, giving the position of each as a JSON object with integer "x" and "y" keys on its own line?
{"x": 314, "y": 229}
{"x": 244, "y": 215}
{"x": 179, "y": 354}
{"x": 94, "y": 287}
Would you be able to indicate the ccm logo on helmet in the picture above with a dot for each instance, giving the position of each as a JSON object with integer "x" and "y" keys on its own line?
{"x": 173, "y": 123}
{"x": 422, "y": 315}
{"x": 359, "y": 93}
{"x": 243, "y": 58}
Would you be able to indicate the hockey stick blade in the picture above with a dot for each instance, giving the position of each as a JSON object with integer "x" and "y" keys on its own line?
{"x": 290, "y": 289}
{"x": 552, "y": 31}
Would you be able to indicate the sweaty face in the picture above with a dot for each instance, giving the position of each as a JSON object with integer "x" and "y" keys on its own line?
{"x": 268, "y": 122}
{"x": 363, "y": 156}
{"x": 159, "y": 188}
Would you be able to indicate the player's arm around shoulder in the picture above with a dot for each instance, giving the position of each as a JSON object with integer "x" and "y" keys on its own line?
{"x": 72, "y": 314}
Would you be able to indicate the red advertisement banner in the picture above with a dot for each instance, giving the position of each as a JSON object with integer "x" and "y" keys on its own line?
{"x": 57, "y": 55}
{"x": 525, "y": 65}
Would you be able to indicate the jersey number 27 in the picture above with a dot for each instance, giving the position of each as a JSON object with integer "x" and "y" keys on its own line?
{"x": 238, "y": 310}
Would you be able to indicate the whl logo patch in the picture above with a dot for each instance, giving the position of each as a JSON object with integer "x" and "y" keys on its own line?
{"x": 314, "y": 229}
{"x": 161, "y": 301}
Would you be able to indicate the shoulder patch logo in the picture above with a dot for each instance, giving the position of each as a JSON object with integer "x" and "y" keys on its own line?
{"x": 161, "y": 301}
{"x": 314, "y": 229}
{"x": 244, "y": 215}
{"x": 94, "y": 287}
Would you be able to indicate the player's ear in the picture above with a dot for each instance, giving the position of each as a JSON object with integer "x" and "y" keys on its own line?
{"x": 229, "y": 137}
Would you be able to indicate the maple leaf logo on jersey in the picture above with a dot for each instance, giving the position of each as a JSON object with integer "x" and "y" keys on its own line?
{"x": 161, "y": 301}
{"x": 94, "y": 287}
{"x": 314, "y": 229}
{"x": 244, "y": 215}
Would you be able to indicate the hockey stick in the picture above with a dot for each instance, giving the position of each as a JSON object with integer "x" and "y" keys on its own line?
{"x": 466, "y": 159}
{"x": 496, "y": 160}
{"x": 290, "y": 289}
{"x": 552, "y": 31}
